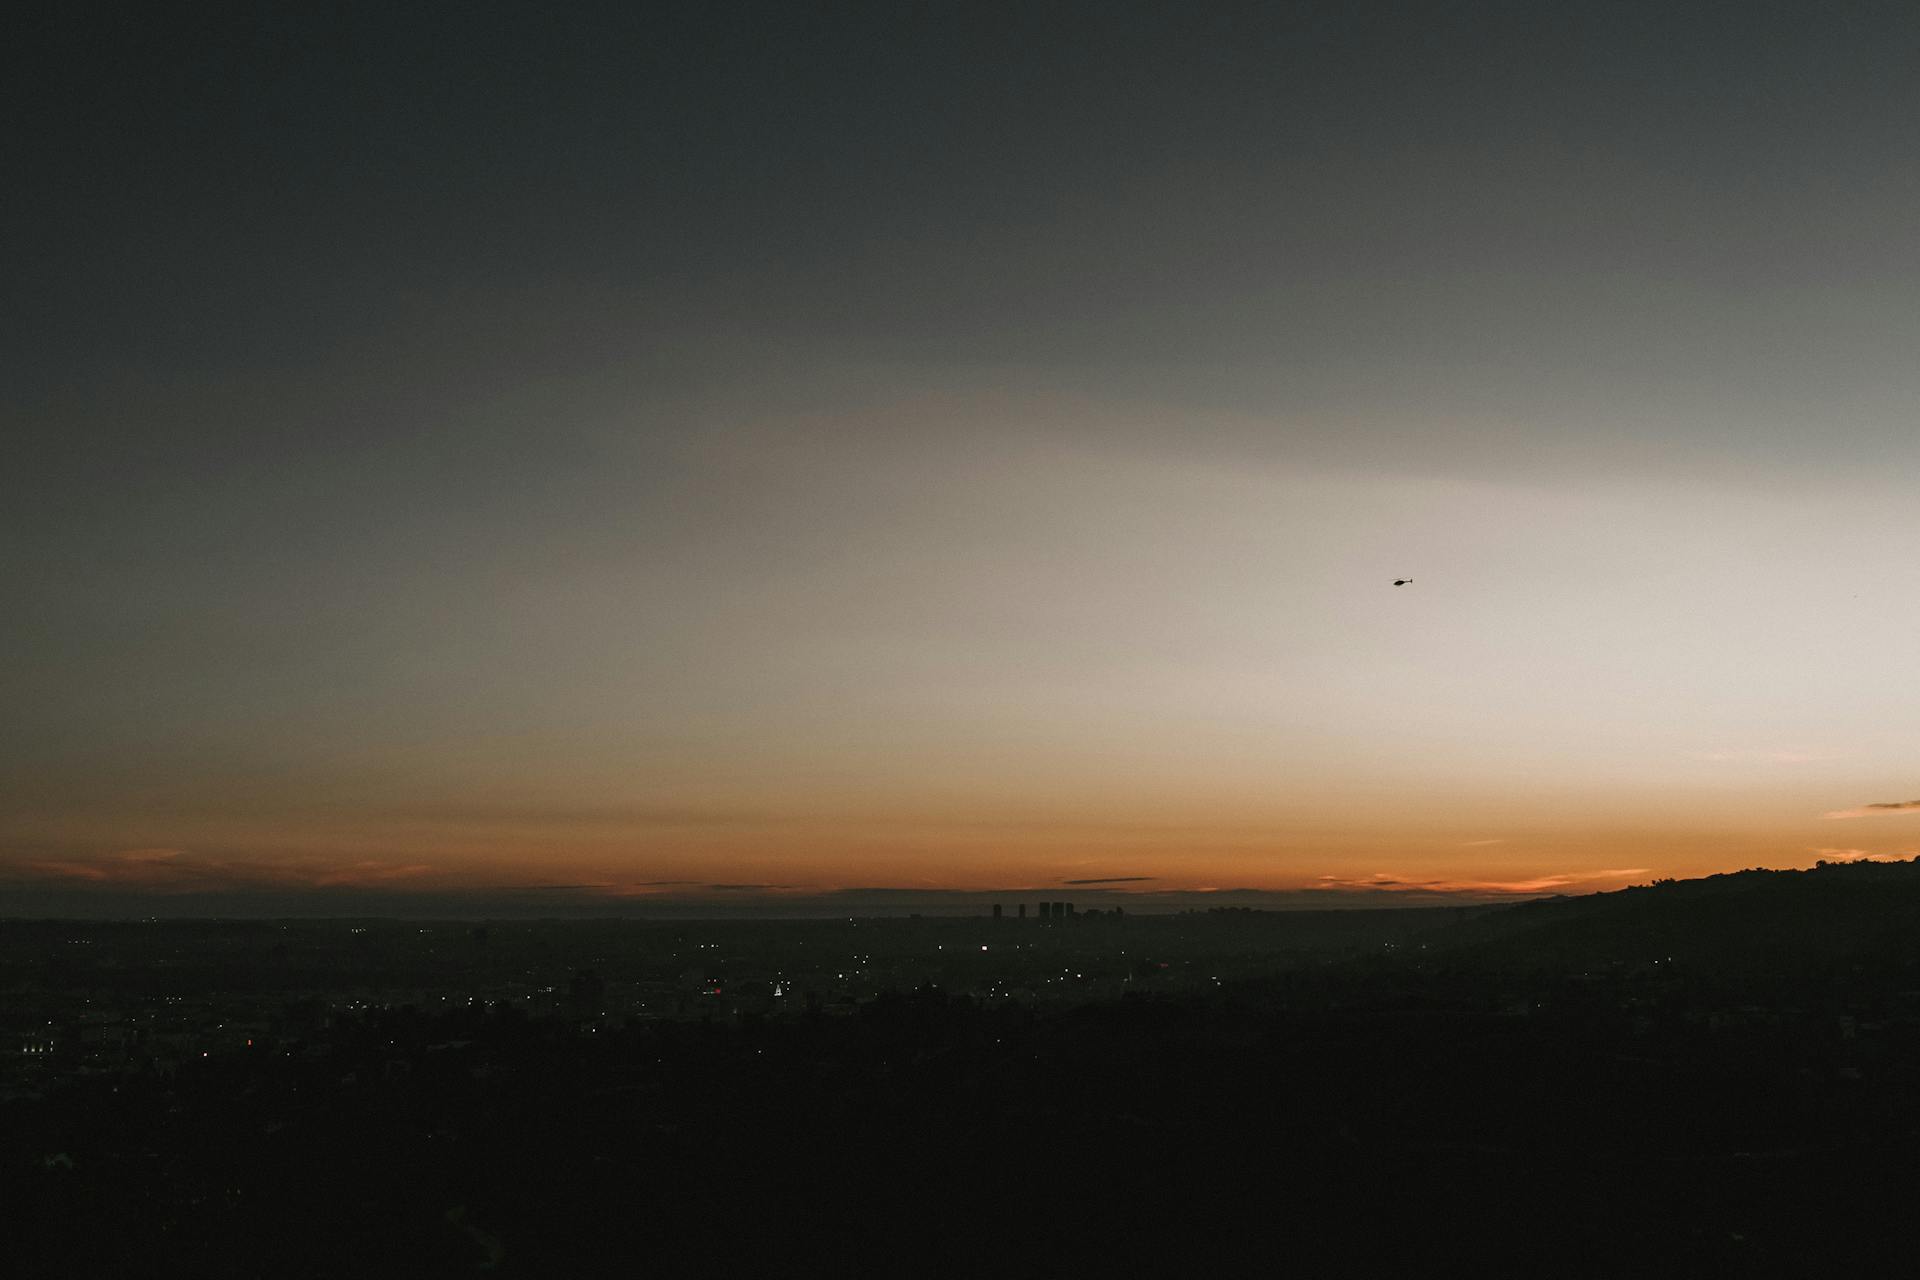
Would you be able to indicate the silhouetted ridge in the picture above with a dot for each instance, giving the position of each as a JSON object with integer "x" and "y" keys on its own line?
{"x": 1834, "y": 912}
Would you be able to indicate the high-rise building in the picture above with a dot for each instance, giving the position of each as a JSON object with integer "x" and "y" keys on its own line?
{"x": 1021, "y": 910}
{"x": 996, "y": 911}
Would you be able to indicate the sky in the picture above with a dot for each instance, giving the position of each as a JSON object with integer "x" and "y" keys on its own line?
{"x": 521, "y": 457}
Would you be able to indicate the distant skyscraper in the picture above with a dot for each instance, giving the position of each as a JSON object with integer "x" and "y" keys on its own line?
{"x": 996, "y": 911}
{"x": 1022, "y": 910}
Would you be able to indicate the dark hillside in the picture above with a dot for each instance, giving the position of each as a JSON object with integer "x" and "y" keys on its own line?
{"x": 1835, "y": 914}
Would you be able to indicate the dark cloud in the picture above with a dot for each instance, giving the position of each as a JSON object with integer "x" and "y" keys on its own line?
{"x": 1109, "y": 880}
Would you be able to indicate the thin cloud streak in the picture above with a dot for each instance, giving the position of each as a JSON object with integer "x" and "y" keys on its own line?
{"x": 1862, "y": 855}
{"x": 1382, "y": 883}
{"x": 1882, "y": 810}
{"x": 175, "y": 871}
{"x": 76, "y": 890}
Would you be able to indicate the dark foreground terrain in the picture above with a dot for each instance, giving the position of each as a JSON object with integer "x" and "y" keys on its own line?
{"x": 1718, "y": 1077}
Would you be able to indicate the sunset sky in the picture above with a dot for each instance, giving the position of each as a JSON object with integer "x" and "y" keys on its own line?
{"x": 491, "y": 456}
